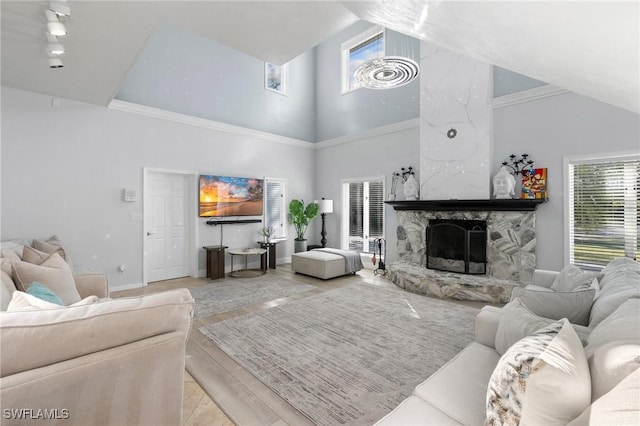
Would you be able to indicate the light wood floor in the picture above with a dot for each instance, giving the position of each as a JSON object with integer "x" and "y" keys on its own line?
{"x": 238, "y": 397}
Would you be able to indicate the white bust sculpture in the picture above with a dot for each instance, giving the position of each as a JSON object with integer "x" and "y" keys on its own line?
{"x": 411, "y": 188}
{"x": 503, "y": 184}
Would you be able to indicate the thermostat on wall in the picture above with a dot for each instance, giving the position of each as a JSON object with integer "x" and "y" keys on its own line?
{"x": 129, "y": 194}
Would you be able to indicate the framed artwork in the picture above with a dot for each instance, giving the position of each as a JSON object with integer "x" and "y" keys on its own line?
{"x": 275, "y": 77}
{"x": 534, "y": 184}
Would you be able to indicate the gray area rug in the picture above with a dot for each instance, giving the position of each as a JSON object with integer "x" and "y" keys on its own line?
{"x": 350, "y": 355}
{"x": 228, "y": 295}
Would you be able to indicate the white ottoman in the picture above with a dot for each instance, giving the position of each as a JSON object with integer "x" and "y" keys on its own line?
{"x": 318, "y": 264}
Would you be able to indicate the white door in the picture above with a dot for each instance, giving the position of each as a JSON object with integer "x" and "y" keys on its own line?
{"x": 167, "y": 231}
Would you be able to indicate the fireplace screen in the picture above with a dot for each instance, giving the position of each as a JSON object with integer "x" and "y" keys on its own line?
{"x": 457, "y": 246}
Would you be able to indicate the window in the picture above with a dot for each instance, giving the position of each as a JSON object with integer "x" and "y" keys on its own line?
{"x": 363, "y": 222}
{"x": 602, "y": 208}
{"x": 275, "y": 210}
{"x": 360, "y": 49}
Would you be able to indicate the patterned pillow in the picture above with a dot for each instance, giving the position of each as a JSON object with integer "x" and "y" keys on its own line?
{"x": 543, "y": 379}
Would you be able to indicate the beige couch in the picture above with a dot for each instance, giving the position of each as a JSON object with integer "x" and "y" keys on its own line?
{"x": 104, "y": 362}
{"x": 457, "y": 393}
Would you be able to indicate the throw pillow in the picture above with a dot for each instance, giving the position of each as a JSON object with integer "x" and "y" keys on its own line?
{"x": 11, "y": 254}
{"x": 14, "y": 245}
{"x": 6, "y": 290}
{"x": 22, "y": 301}
{"x": 49, "y": 247}
{"x": 571, "y": 277}
{"x": 573, "y": 305}
{"x": 620, "y": 406}
{"x": 43, "y": 292}
{"x": 53, "y": 272}
{"x": 35, "y": 256}
{"x": 517, "y": 322}
{"x": 542, "y": 379}
{"x": 615, "y": 293}
{"x": 613, "y": 348}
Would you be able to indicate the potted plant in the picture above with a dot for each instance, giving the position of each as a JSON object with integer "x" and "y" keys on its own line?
{"x": 300, "y": 216}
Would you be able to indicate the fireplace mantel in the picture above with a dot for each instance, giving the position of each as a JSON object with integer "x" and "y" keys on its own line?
{"x": 467, "y": 205}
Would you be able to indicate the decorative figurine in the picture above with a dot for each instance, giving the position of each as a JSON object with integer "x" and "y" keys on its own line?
{"x": 503, "y": 184}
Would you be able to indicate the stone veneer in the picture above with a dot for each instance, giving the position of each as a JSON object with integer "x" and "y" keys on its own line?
{"x": 511, "y": 256}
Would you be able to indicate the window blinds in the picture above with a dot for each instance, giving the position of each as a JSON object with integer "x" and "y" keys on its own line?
{"x": 275, "y": 209}
{"x": 603, "y": 211}
{"x": 365, "y": 205}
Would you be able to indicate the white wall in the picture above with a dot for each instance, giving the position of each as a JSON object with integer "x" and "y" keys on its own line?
{"x": 63, "y": 170}
{"x": 363, "y": 157}
{"x": 548, "y": 129}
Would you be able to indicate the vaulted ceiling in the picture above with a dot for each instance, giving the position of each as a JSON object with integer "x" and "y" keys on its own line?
{"x": 591, "y": 48}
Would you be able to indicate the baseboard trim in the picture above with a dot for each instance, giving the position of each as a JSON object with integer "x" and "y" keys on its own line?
{"x": 125, "y": 287}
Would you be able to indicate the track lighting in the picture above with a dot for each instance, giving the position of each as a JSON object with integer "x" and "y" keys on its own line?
{"x": 55, "y": 63}
{"x": 54, "y": 26}
{"x": 59, "y": 8}
{"x": 55, "y": 49}
{"x": 55, "y": 29}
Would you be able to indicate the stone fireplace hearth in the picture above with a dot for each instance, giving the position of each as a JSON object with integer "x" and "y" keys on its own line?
{"x": 511, "y": 243}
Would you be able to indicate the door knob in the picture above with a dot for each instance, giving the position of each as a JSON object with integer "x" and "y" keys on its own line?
{"x": 151, "y": 233}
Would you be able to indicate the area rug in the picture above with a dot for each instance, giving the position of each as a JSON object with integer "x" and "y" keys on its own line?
{"x": 347, "y": 356}
{"x": 228, "y": 295}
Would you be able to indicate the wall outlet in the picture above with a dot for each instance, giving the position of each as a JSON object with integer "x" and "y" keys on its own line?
{"x": 136, "y": 216}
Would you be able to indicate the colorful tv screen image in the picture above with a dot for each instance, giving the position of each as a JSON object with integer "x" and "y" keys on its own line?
{"x": 230, "y": 196}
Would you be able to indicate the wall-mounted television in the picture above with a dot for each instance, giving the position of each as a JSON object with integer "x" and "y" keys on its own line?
{"x": 222, "y": 196}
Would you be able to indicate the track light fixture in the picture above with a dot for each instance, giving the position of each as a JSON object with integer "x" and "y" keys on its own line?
{"x": 59, "y": 8}
{"x": 56, "y": 29}
{"x": 54, "y": 26}
{"x": 55, "y": 63}
{"x": 55, "y": 49}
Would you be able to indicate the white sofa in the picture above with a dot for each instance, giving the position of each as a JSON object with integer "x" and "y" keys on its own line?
{"x": 457, "y": 393}
{"x": 94, "y": 361}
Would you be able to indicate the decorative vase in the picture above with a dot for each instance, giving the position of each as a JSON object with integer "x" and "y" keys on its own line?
{"x": 299, "y": 245}
{"x": 411, "y": 188}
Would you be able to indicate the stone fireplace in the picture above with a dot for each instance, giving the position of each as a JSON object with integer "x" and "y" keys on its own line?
{"x": 510, "y": 248}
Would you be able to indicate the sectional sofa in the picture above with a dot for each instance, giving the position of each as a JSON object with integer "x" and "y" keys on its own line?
{"x": 525, "y": 368}
{"x": 92, "y": 360}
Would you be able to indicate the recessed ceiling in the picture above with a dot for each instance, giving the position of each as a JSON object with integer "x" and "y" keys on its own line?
{"x": 591, "y": 48}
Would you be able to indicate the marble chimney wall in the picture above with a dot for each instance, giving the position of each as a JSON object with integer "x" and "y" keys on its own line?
{"x": 455, "y": 125}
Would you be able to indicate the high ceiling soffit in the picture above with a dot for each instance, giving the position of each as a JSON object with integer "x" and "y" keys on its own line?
{"x": 591, "y": 48}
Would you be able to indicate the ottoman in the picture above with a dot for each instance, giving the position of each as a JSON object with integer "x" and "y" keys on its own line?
{"x": 319, "y": 264}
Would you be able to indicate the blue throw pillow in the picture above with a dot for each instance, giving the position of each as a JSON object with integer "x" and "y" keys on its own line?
{"x": 43, "y": 292}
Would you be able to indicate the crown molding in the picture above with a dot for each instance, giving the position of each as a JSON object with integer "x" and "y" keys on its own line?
{"x": 162, "y": 114}
{"x": 206, "y": 123}
{"x": 526, "y": 96}
{"x": 378, "y": 131}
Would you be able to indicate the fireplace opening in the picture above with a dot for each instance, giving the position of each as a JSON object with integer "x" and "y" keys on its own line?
{"x": 457, "y": 246}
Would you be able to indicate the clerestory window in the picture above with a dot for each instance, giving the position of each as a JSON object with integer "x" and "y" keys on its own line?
{"x": 364, "y": 47}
